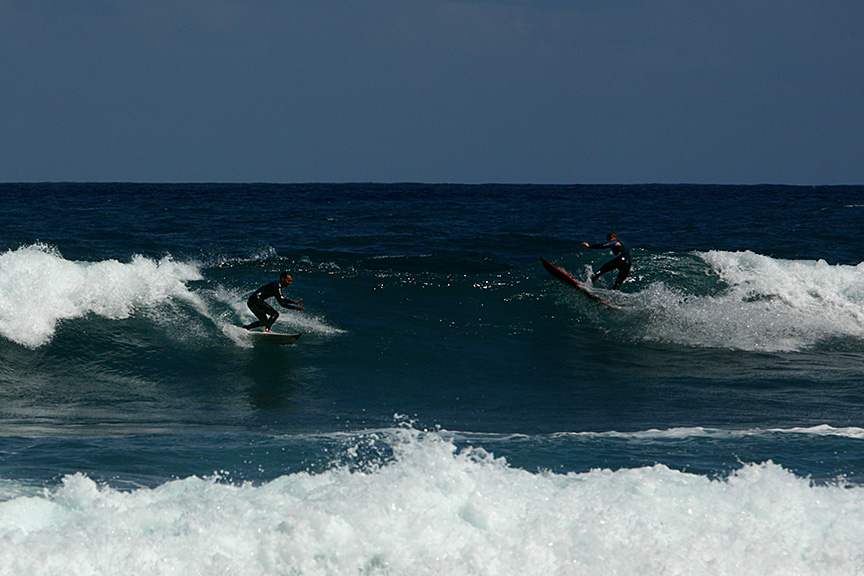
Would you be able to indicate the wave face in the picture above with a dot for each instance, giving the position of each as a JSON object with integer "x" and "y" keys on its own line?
{"x": 755, "y": 302}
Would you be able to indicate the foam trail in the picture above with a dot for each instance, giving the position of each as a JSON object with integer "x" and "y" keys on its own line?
{"x": 39, "y": 289}
{"x": 852, "y": 432}
{"x": 767, "y": 304}
{"x": 432, "y": 509}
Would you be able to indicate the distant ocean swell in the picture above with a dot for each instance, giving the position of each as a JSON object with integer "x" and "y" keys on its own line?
{"x": 433, "y": 508}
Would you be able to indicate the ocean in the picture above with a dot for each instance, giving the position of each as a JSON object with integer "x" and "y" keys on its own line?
{"x": 450, "y": 408}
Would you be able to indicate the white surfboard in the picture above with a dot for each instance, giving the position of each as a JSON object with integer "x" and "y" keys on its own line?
{"x": 275, "y": 337}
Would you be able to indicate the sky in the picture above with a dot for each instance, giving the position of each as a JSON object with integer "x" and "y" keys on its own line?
{"x": 467, "y": 91}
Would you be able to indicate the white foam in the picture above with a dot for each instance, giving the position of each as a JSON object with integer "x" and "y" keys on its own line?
{"x": 437, "y": 510}
{"x": 769, "y": 305}
{"x": 679, "y": 433}
{"x": 39, "y": 288}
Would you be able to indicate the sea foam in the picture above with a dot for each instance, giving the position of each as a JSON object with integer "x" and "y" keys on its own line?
{"x": 435, "y": 509}
{"x": 39, "y": 288}
{"x": 767, "y": 304}
{"x": 851, "y": 432}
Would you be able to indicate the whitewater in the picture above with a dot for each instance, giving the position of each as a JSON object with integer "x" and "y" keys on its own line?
{"x": 434, "y": 509}
{"x": 760, "y": 303}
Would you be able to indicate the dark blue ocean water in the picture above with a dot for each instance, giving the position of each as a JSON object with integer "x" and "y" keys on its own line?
{"x": 450, "y": 407}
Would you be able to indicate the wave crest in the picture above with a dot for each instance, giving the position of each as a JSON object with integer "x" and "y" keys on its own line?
{"x": 39, "y": 288}
{"x": 762, "y": 304}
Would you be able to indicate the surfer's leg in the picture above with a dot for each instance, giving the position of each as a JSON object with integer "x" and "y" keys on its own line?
{"x": 611, "y": 265}
{"x": 623, "y": 271}
{"x": 257, "y": 324}
{"x": 262, "y": 311}
{"x": 271, "y": 320}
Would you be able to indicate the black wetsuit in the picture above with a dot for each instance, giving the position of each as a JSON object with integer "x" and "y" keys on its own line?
{"x": 265, "y": 313}
{"x": 621, "y": 262}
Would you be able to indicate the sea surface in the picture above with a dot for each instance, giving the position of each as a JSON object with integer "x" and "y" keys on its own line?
{"x": 450, "y": 407}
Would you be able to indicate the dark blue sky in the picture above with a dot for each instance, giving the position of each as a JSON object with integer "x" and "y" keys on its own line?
{"x": 541, "y": 91}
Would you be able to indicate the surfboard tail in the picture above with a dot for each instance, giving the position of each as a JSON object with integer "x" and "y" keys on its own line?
{"x": 564, "y": 277}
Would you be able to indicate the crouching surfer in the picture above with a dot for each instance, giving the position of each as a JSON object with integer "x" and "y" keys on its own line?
{"x": 620, "y": 262}
{"x": 265, "y": 313}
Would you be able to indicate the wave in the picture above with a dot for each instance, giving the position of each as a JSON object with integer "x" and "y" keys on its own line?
{"x": 742, "y": 301}
{"x": 40, "y": 289}
{"x": 756, "y": 303}
{"x": 436, "y": 509}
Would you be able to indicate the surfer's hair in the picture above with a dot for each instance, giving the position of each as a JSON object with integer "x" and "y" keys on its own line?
{"x": 611, "y": 236}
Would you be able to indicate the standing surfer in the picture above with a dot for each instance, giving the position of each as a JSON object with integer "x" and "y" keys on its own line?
{"x": 265, "y": 313}
{"x": 620, "y": 262}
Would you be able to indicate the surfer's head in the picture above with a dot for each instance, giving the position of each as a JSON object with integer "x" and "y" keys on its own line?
{"x": 611, "y": 236}
{"x": 285, "y": 278}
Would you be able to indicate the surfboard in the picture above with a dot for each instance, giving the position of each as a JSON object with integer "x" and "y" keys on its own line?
{"x": 572, "y": 282}
{"x": 275, "y": 337}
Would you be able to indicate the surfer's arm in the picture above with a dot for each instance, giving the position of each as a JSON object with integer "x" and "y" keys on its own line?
{"x": 598, "y": 246}
{"x": 285, "y": 303}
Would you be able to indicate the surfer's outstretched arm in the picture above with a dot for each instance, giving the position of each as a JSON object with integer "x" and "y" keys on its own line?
{"x": 284, "y": 280}
{"x": 290, "y": 304}
{"x": 600, "y": 246}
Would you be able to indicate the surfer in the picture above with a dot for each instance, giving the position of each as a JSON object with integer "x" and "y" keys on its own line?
{"x": 620, "y": 262}
{"x": 265, "y": 313}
